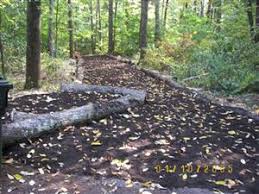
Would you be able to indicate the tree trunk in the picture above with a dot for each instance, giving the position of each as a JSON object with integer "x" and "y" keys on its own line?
{"x": 2, "y": 48}
{"x": 50, "y": 30}
{"x": 30, "y": 125}
{"x": 165, "y": 15}
{"x": 98, "y": 24}
{"x": 33, "y": 45}
{"x": 209, "y": 9}
{"x": 115, "y": 18}
{"x": 111, "y": 41}
{"x": 70, "y": 29}
{"x": 162, "y": 11}
{"x": 195, "y": 6}
{"x": 249, "y": 11}
{"x": 218, "y": 13}
{"x": 56, "y": 33}
{"x": 202, "y": 8}
{"x": 157, "y": 23}
{"x": 143, "y": 28}
{"x": 257, "y": 21}
{"x": 92, "y": 27}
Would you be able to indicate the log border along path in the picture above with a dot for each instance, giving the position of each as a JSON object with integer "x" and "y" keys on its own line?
{"x": 33, "y": 125}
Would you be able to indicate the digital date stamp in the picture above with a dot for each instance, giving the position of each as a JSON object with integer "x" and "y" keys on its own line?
{"x": 191, "y": 168}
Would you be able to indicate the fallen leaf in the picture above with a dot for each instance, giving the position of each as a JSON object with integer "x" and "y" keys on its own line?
{"x": 232, "y": 132}
{"x": 96, "y": 143}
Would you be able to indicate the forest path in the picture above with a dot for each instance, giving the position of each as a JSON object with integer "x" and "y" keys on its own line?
{"x": 174, "y": 139}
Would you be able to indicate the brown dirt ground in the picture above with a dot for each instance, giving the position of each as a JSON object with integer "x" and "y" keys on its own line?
{"x": 174, "y": 139}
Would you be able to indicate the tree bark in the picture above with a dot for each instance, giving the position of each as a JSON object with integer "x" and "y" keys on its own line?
{"x": 165, "y": 15}
{"x": 202, "y": 8}
{"x": 157, "y": 23}
{"x": 114, "y": 25}
{"x": 2, "y": 48}
{"x": 209, "y": 9}
{"x": 92, "y": 27}
{"x": 98, "y": 24}
{"x": 143, "y": 28}
{"x": 33, "y": 45}
{"x": 195, "y": 6}
{"x": 111, "y": 41}
{"x": 162, "y": 11}
{"x": 257, "y": 21}
{"x": 56, "y": 29}
{"x": 218, "y": 13}
{"x": 28, "y": 125}
{"x": 249, "y": 11}
{"x": 50, "y": 28}
{"x": 70, "y": 29}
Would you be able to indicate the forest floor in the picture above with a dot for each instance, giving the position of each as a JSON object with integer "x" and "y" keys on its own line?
{"x": 174, "y": 140}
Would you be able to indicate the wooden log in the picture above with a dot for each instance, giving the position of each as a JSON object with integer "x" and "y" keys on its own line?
{"x": 76, "y": 87}
{"x": 29, "y": 125}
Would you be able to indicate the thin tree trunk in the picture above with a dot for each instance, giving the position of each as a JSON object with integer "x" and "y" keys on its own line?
{"x": 98, "y": 23}
{"x": 2, "y": 48}
{"x": 209, "y": 9}
{"x": 33, "y": 45}
{"x": 50, "y": 30}
{"x": 111, "y": 41}
{"x": 218, "y": 13}
{"x": 143, "y": 28}
{"x": 162, "y": 11}
{"x": 56, "y": 29}
{"x": 250, "y": 17}
{"x": 202, "y": 8}
{"x": 257, "y": 21}
{"x": 157, "y": 23}
{"x": 165, "y": 15}
{"x": 115, "y": 18}
{"x": 195, "y": 6}
{"x": 92, "y": 27}
{"x": 70, "y": 29}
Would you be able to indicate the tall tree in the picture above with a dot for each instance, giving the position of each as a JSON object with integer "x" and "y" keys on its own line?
{"x": 217, "y": 4}
{"x": 56, "y": 29}
{"x": 50, "y": 28}
{"x": 157, "y": 22}
{"x": 33, "y": 44}
{"x": 98, "y": 23}
{"x": 111, "y": 41}
{"x": 92, "y": 26}
{"x": 2, "y": 48}
{"x": 257, "y": 21}
{"x": 114, "y": 21}
{"x": 165, "y": 14}
{"x": 143, "y": 28}
{"x": 70, "y": 29}
{"x": 195, "y": 6}
{"x": 162, "y": 11}
{"x": 202, "y": 8}
{"x": 249, "y": 11}
{"x": 209, "y": 9}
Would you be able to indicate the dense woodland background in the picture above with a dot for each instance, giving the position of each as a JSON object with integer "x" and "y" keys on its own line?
{"x": 211, "y": 44}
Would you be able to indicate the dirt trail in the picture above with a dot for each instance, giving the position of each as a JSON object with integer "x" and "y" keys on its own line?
{"x": 175, "y": 140}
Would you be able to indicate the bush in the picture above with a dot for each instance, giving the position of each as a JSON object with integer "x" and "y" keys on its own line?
{"x": 157, "y": 59}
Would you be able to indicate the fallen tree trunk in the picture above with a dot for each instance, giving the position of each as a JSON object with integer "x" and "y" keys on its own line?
{"x": 75, "y": 87}
{"x": 33, "y": 125}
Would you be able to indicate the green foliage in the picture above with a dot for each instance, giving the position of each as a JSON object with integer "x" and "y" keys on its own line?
{"x": 199, "y": 46}
{"x": 157, "y": 59}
